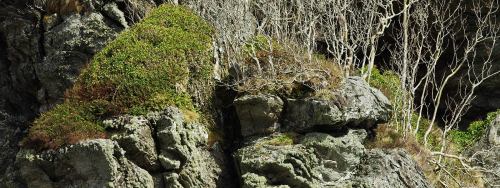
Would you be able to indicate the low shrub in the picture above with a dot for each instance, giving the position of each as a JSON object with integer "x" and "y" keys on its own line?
{"x": 281, "y": 68}
{"x": 388, "y": 82}
{"x": 157, "y": 63}
{"x": 465, "y": 138}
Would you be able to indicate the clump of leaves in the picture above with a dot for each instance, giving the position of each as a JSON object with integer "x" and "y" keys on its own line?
{"x": 157, "y": 63}
{"x": 388, "y": 82}
{"x": 465, "y": 138}
{"x": 271, "y": 66}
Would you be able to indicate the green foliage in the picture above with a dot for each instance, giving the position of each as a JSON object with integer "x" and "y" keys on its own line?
{"x": 153, "y": 65}
{"x": 280, "y": 140}
{"x": 388, "y": 82}
{"x": 424, "y": 123}
{"x": 474, "y": 132}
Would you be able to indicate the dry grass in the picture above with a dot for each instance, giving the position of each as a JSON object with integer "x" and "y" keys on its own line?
{"x": 450, "y": 174}
{"x": 284, "y": 69}
{"x": 63, "y": 7}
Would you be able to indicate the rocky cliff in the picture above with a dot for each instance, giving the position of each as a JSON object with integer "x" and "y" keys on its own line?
{"x": 267, "y": 139}
{"x": 323, "y": 147}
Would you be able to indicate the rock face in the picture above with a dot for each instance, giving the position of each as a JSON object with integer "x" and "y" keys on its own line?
{"x": 95, "y": 163}
{"x": 258, "y": 114}
{"x": 158, "y": 150}
{"x": 181, "y": 151}
{"x": 10, "y": 133}
{"x": 322, "y": 160}
{"x": 486, "y": 153}
{"x": 389, "y": 168}
{"x": 46, "y": 43}
{"x": 136, "y": 138}
{"x": 356, "y": 105}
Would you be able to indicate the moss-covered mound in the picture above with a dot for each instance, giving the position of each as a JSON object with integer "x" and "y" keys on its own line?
{"x": 157, "y": 63}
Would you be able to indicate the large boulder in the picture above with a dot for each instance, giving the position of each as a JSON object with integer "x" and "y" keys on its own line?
{"x": 258, "y": 114}
{"x": 182, "y": 151}
{"x": 134, "y": 135}
{"x": 160, "y": 149}
{"x": 291, "y": 165}
{"x": 356, "y": 105}
{"x": 345, "y": 152}
{"x": 323, "y": 160}
{"x": 389, "y": 168}
{"x": 94, "y": 163}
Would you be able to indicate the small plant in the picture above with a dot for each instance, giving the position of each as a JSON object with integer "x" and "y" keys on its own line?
{"x": 157, "y": 63}
{"x": 283, "y": 139}
{"x": 464, "y": 139}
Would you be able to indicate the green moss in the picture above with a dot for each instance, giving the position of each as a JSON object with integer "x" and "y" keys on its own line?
{"x": 157, "y": 63}
{"x": 474, "y": 132}
{"x": 280, "y": 140}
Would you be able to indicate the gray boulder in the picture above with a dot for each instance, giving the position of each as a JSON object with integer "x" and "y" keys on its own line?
{"x": 322, "y": 160}
{"x": 389, "y": 168}
{"x": 94, "y": 163}
{"x": 356, "y": 105}
{"x": 134, "y": 135}
{"x": 182, "y": 151}
{"x": 319, "y": 160}
{"x": 258, "y": 114}
{"x": 344, "y": 153}
{"x": 290, "y": 165}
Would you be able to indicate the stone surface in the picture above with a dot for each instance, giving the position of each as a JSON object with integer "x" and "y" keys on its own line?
{"x": 158, "y": 150}
{"x": 95, "y": 163}
{"x": 389, "y": 168}
{"x": 344, "y": 152}
{"x": 323, "y": 160}
{"x": 68, "y": 47}
{"x": 10, "y": 133}
{"x": 258, "y": 114}
{"x": 134, "y": 135}
{"x": 46, "y": 43}
{"x": 356, "y": 105}
{"x": 486, "y": 153}
{"x": 182, "y": 150}
{"x": 290, "y": 165}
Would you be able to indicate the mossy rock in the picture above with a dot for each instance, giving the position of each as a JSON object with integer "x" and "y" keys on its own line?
{"x": 157, "y": 63}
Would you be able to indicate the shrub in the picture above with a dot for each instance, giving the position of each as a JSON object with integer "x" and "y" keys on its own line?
{"x": 388, "y": 82}
{"x": 474, "y": 132}
{"x": 157, "y": 63}
{"x": 281, "y": 68}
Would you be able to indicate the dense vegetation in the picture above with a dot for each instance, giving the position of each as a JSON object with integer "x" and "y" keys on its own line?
{"x": 150, "y": 66}
{"x": 465, "y": 138}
